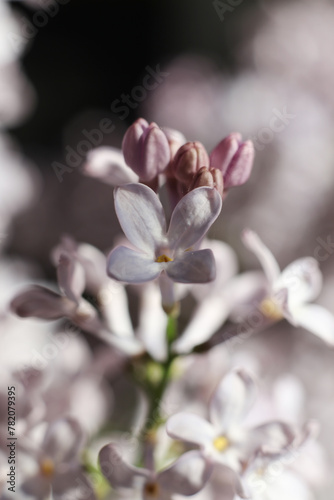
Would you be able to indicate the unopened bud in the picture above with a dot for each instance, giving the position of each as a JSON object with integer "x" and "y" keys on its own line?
{"x": 175, "y": 140}
{"x": 146, "y": 149}
{"x": 188, "y": 160}
{"x": 208, "y": 177}
{"x": 234, "y": 159}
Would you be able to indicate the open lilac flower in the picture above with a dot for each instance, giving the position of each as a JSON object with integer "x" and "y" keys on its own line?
{"x": 225, "y": 439}
{"x": 186, "y": 476}
{"x": 142, "y": 218}
{"x": 58, "y": 468}
{"x": 267, "y": 476}
{"x": 291, "y": 291}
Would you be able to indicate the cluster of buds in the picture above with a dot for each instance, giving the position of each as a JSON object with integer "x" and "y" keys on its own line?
{"x": 150, "y": 151}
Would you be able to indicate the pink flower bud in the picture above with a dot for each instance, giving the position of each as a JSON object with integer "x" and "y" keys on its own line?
{"x": 188, "y": 160}
{"x": 234, "y": 159}
{"x": 208, "y": 177}
{"x": 146, "y": 149}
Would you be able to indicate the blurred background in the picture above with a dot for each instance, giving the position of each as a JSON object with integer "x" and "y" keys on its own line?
{"x": 263, "y": 68}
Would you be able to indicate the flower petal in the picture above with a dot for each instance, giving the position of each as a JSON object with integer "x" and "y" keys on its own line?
{"x": 63, "y": 440}
{"x": 193, "y": 216}
{"x": 71, "y": 277}
{"x": 152, "y": 322}
{"x": 125, "y": 264}
{"x": 207, "y": 318}
{"x": 187, "y": 475}
{"x": 316, "y": 319}
{"x": 37, "y": 486}
{"x": 266, "y": 258}
{"x": 107, "y": 164}
{"x": 39, "y": 302}
{"x": 226, "y": 266}
{"x": 303, "y": 280}
{"x": 232, "y": 400}
{"x": 190, "y": 428}
{"x": 141, "y": 216}
{"x": 119, "y": 473}
{"x": 193, "y": 267}
{"x": 72, "y": 484}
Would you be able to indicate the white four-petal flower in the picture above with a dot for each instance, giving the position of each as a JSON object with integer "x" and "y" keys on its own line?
{"x": 186, "y": 476}
{"x": 290, "y": 291}
{"x": 222, "y": 438}
{"x": 142, "y": 218}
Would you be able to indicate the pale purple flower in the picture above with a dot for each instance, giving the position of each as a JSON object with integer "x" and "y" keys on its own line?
{"x": 58, "y": 469}
{"x": 291, "y": 291}
{"x": 146, "y": 149}
{"x": 142, "y": 218}
{"x": 224, "y": 438}
{"x": 268, "y": 477}
{"x": 186, "y": 476}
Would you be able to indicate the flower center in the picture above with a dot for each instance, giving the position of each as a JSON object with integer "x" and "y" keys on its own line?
{"x": 151, "y": 490}
{"x": 163, "y": 258}
{"x": 221, "y": 443}
{"x": 271, "y": 309}
{"x": 47, "y": 467}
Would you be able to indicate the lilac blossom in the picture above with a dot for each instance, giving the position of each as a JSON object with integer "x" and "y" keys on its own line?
{"x": 185, "y": 477}
{"x": 141, "y": 216}
{"x": 290, "y": 291}
{"x": 57, "y": 467}
{"x": 225, "y": 439}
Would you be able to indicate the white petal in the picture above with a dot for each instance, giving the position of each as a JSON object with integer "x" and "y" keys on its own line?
{"x": 141, "y": 216}
{"x": 63, "y": 440}
{"x": 190, "y": 428}
{"x": 39, "y": 302}
{"x": 232, "y": 400}
{"x": 315, "y": 319}
{"x": 113, "y": 302}
{"x": 193, "y": 216}
{"x": 119, "y": 473}
{"x": 187, "y": 475}
{"x": 72, "y": 484}
{"x": 193, "y": 267}
{"x": 303, "y": 280}
{"x": 71, "y": 277}
{"x": 125, "y": 264}
{"x": 266, "y": 258}
{"x": 152, "y": 322}
{"x": 108, "y": 165}
{"x": 207, "y": 318}
{"x": 226, "y": 268}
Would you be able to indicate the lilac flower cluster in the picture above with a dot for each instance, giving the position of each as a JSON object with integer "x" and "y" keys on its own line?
{"x": 168, "y": 194}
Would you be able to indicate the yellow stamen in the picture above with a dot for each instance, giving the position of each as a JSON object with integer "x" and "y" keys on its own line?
{"x": 221, "y": 443}
{"x": 163, "y": 258}
{"x": 271, "y": 309}
{"x": 47, "y": 467}
{"x": 151, "y": 490}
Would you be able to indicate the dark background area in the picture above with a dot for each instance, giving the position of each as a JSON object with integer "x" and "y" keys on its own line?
{"x": 92, "y": 51}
